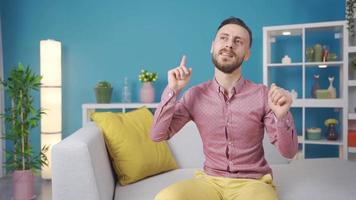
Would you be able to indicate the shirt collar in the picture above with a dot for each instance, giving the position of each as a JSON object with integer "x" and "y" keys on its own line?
{"x": 237, "y": 87}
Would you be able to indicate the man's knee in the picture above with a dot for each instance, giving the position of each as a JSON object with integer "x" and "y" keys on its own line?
{"x": 192, "y": 189}
{"x": 169, "y": 193}
{"x": 259, "y": 191}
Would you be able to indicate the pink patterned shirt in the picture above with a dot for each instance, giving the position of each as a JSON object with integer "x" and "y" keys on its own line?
{"x": 231, "y": 129}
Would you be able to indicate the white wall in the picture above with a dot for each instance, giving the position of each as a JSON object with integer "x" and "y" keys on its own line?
{"x": 2, "y": 143}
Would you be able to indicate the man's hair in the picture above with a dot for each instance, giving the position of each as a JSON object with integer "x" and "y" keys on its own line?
{"x": 238, "y": 21}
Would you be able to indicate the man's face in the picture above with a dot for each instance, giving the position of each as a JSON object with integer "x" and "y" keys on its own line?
{"x": 230, "y": 48}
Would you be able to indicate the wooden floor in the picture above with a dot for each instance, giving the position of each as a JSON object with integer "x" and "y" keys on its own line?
{"x": 43, "y": 190}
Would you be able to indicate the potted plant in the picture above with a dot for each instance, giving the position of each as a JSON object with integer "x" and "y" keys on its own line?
{"x": 353, "y": 69}
{"x": 147, "y": 93}
{"x": 103, "y": 92}
{"x": 20, "y": 118}
{"x": 350, "y": 6}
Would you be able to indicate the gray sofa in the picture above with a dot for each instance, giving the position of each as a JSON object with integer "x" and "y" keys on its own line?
{"x": 81, "y": 170}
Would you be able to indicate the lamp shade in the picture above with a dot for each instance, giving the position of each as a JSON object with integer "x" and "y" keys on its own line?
{"x": 51, "y": 103}
{"x": 51, "y": 71}
{"x": 51, "y": 98}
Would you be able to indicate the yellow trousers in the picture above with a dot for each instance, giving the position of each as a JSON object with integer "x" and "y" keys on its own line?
{"x": 205, "y": 187}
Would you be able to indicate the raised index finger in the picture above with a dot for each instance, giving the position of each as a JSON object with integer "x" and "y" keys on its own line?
{"x": 183, "y": 62}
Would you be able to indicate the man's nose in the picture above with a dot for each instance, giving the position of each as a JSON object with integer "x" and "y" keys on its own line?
{"x": 229, "y": 44}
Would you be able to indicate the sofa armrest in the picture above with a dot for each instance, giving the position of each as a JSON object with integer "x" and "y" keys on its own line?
{"x": 81, "y": 167}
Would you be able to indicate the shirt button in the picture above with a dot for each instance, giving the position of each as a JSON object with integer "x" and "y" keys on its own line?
{"x": 170, "y": 94}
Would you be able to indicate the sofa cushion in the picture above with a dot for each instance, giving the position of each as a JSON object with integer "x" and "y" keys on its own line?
{"x": 149, "y": 187}
{"x": 134, "y": 154}
{"x": 326, "y": 179}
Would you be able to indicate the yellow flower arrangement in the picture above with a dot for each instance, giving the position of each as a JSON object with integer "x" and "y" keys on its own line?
{"x": 329, "y": 121}
{"x": 146, "y": 76}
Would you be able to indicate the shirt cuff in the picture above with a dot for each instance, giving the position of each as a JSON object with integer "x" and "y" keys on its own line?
{"x": 285, "y": 121}
{"x": 169, "y": 95}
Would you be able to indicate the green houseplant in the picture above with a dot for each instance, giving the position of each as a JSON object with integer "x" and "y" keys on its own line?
{"x": 103, "y": 92}
{"x": 20, "y": 118}
{"x": 350, "y": 6}
{"x": 353, "y": 69}
{"x": 146, "y": 76}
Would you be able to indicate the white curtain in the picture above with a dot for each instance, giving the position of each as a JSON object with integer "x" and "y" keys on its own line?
{"x": 2, "y": 143}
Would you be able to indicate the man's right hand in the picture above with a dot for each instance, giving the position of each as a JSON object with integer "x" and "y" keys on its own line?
{"x": 179, "y": 77}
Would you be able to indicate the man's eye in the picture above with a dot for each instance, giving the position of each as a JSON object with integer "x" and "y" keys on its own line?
{"x": 223, "y": 38}
{"x": 238, "y": 41}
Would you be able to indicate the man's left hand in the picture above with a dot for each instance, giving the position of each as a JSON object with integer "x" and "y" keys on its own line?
{"x": 279, "y": 100}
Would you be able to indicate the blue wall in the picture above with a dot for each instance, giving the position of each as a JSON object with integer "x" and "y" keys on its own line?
{"x": 108, "y": 40}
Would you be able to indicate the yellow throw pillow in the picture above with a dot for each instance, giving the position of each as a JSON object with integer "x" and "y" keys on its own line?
{"x": 134, "y": 155}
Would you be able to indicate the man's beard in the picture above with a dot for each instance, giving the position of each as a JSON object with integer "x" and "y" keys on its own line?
{"x": 227, "y": 68}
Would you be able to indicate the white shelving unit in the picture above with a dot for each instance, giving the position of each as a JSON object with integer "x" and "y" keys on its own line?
{"x": 351, "y": 55}
{"x": 2, "y": 142}
{"x": 293, "y": 40}
{"x": 89, "y": 108}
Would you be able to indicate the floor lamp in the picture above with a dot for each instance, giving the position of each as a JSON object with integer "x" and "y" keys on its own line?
{"x": 51, "y": 98}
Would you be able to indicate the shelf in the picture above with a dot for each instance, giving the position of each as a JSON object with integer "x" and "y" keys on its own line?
{"x": 284, "y": 65}
{"x": 118, "y": 105}
{"x": 307, "y": 64}
{"x": 274, "y": 47}
{"x": 352, "y": 83}
{"x": 351, "y": 49}
{"x": 88, "y": 108}
{"x": 318, "y": 103}
{"x": 332, "y": 64}
{"x": 352, "y": 116}
{"x": 323, "y": 142}
{"x": 352, "y": 149}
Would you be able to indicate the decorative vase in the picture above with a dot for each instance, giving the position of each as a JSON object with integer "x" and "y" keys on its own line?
{"x": 126, "y": 93}
{"x": 23, "y": 183}
{"x": 147, "y": 93}
{"x": 309, "y": 54}
{"x": 318, "y": 51}
{"x": 325, "y": 53}
{"x": 332, "y": 134}
{"x": 331, "y": 88}
{"x": 103, "y": 95}
{"x": 316, "y": 85}
{"x": 286, "y": 60}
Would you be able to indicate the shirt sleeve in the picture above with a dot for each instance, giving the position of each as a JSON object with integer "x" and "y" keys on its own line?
{"x": 170, "y": 116}
{"x": 281, "y": 132}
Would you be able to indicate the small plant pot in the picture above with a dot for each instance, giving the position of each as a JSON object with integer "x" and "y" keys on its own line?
{"x": 103, "y": 95}
{"x": 23, "y": 185}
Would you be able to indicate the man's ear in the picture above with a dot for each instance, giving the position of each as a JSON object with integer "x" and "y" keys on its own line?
{"x": 247, "y": 55}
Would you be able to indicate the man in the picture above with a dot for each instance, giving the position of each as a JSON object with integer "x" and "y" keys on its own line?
{"x": 231, "y": 114}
